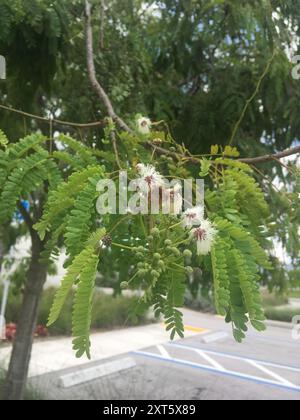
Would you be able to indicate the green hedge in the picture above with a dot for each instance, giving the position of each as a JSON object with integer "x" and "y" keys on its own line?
{"x": 294, "y": 294}
{"x": 109, "y": 312}
{"x": 274, "y": 299}
{"x": 284, "y": 315}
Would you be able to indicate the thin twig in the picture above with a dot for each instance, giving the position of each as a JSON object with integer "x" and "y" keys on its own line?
{"x": 255, "y": 160}
{"x": 271, "y": 183}
{"x": 115, "y": 147}
{"x": 252, "y": 97}
{"x": 282, "y": 164}
{"x": 102, "y": 23}
{"x": 54, "y": 121}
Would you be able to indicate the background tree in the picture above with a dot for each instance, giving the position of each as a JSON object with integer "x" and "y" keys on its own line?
{"x": 197, "y": 74}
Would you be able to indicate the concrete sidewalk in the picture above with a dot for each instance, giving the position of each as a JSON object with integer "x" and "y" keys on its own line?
{"x": 55, "y": 354}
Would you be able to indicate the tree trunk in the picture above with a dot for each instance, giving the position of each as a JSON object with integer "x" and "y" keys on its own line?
{"x": 2, "y": 250}
{"x": 19, "y": 363}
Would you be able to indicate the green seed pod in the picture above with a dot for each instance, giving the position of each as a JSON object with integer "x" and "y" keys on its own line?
{"x": 189, "y": 270}
{"x": 155, "y": 232}
{"x": 124, "y": 285}
{"x": 187, "y": 254}
{"x": 176, "y": 252}
{"x": 142, "y": 273}
{"x": 161, "y": 264}
{"x": 155, "y": 274}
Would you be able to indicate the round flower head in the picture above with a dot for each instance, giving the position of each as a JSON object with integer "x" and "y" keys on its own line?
{"x": 144, "y": 125}
{"x": 204, "y": 235}
{"x": 149, "y": 177}
{"x": 193, "y": 216}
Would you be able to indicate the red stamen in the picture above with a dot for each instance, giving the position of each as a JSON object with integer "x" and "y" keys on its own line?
{"x": 191, "y": 216}
{"x": 200, "y": 234}
{"x": 149, "y": 179}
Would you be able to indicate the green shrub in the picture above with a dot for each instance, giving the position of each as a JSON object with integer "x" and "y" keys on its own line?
{"x": 294, "y": 294}
{"x": 109, "y": 312}
{"x": 274, "y": 299}
{"x": 283, "y": 315}
{"x": 199, "y": 303}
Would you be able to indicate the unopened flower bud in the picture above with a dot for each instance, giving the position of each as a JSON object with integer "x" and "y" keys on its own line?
{"x": 124, "y": 285}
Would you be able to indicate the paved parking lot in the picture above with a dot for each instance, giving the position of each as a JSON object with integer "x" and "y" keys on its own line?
{"x": 207, "y": 365}
{"x": 193, "y": 356}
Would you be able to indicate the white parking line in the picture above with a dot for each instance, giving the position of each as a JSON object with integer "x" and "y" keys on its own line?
{"x": 217, "y": 367}
{"x": 163, "y": 351}
{"x": 228, "y": 373}
{"x": 235, "y": 357}
{"x": 210, "y": 360}
{"x": 257, "y": 364}
{"x": 270, "y": 373}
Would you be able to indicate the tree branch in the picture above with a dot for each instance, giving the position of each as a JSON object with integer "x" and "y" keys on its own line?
{"x": 250, "y": 161}
{"x": 102, "y": 23}
{"x": 161, "y": 151}
{"x": 267, "y": 158}
{"x": 54, "y": 121}
{"x": 92, "y": 71}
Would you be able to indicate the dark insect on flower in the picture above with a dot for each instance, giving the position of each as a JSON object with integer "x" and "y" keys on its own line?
{"x": 107, "y": 240}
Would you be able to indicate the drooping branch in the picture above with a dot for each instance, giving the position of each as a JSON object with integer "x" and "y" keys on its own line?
{"x": 92, "y": 71}
{"x": 53, "y": 121}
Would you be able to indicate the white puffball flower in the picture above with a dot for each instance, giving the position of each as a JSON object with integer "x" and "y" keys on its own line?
{"x": 144, "y": 125}
{"x": 205, "y": 236}
{"x": 149, "y": 177}
{"x": 193, "y": 216}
